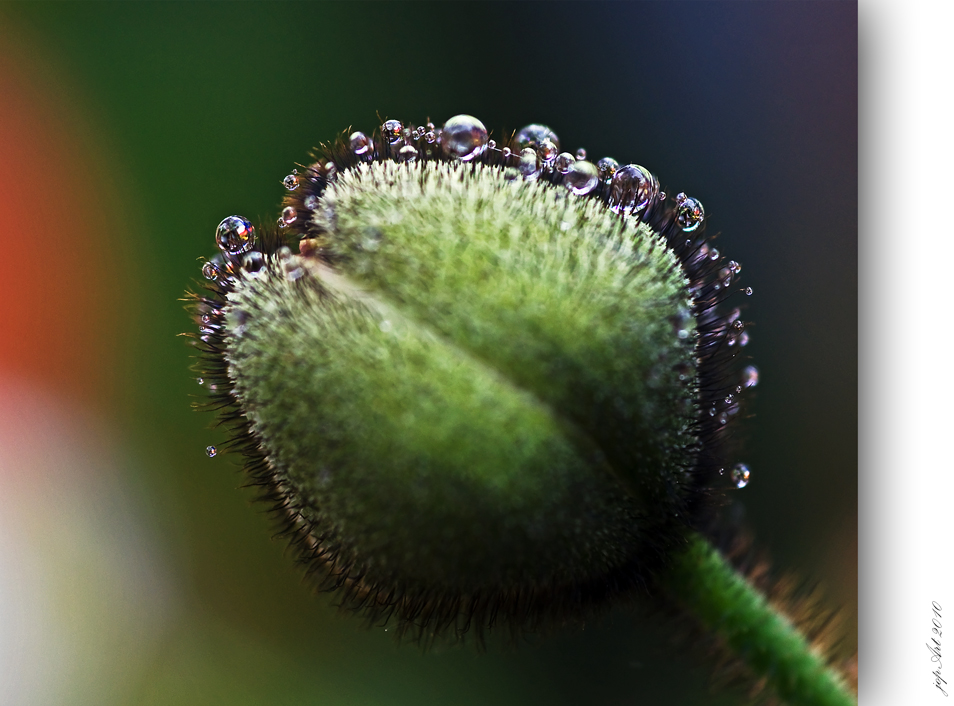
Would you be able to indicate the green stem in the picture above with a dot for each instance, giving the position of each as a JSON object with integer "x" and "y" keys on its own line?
{"x": 727, "y": 605}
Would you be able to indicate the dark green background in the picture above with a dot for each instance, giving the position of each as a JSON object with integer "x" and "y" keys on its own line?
{"x": 751, "y": 107}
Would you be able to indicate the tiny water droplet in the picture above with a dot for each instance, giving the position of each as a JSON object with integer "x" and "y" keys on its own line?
{"x": 392, "y": 130}
{"x": 735, "y": 266}
{"x": 741, "y": 475}
{"x": 582, "y": 177}
{"x": 291, "y": 182}
{"x": 534, "y": 135}
{"x": 200, "y": 381}
{"x": 210, "y": 451}
{"x": 311, "y": 201}
{"x": 689, "y": 212}
{"x": 548, "y": 151}
{"x": 563, "y": 162}
{"x": 289, "y": 215}
{"x": 607, "y": 168}
{"x": 744, "y": 339}
{"x": 714, "y": 254}
{"x": 210, "y": 271}
{"x": 529, "y": 165}
{"x": 235, "y": 235}
{"x": 417, "y": 134}
{"x": 750, "y": 376}
{"x": 430, "y": 137}
{"x": 407, "y": 154}
{"x": 491, "y": 144}
{"x": 360, "y": 143}
{"x": 253, "y": 262}
{"x": 281, "y": 222}
{"x": 464, "y": 138}
{"x": 581, "y": 153}
{"x": 506, "y": 152}
{"x": 631, "y": 189}
{"x": 738, "y": 325}
{"x": 748, "y": 291}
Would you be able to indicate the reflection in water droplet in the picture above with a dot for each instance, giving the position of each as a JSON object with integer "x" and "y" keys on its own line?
{"x": 253, "y": 262}
{"x": 581, "y": 178}
{"x": 581, "y": 153}
{"x": 607, "y": 168}
{"x": 529, "y": 165}
{"x": 311, "y": 201}
{"x": 235, "y": 235}
{"x": 210, "y": 271}
{"x": 464, "y": 137}
{"x": 291, "y": 182}
{"x": 750, "y": 376}
{"x": 289, "y": 215}
{"x": 689, "y": 212}
{"x": 392, "y": 130}
{"x": 631, "y": 189}
{"x": 210, "y": 451}
{"x": 408, "y": 154}
{"x": 548, "y": 151}
{"x": 430, "y": 137}
{"x": 563, "y": 162}
{"x": 741, "y": 475}
{"x": 534, "y": 135}
{"x": 360, "y": 143}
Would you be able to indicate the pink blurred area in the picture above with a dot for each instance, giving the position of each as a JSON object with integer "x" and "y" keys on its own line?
{"x": 83, "y": 599}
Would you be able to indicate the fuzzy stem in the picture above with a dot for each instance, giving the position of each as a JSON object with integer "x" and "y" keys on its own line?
{"x": 727, "y": 605}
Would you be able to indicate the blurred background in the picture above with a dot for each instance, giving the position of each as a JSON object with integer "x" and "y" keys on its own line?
{"x": 132, "y": 568}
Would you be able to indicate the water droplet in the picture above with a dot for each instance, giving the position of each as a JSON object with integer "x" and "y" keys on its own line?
{"x": 210, "y": 451}
{"x": 430, "y": 137}
{"x": 491, "y": 144}
{"x": 418, "y": 133}
{"x": 506, "y": 152}
{"x": 748, "y": 291}
{"x": 683, "y": 334}
{"x": 291, "y": 182}
{"x": 738, "y": 325}
{"x": 200, "y": 381}
{"x": 534, "y": 135}
{"x": 548, "y": 151}
{"x": 631, "y": 189}
{"x": 330, "y": 170}
{"x": 253, "y": 262}
{"x": 714, "y": 254}
{"x": 735, "y": 266}
{"x": 607, "y": 168}
{"x": 581, "y": 178}
{"x": 563, "y": 162}
{"x": 311, "y": 201}
{"x": 360, "y": 143}
{"x": 529, "y": 165}
{"x": 392, "y": 130}
{"x": 689, "y": 212}
{"x": 289, "y": 215}
{"x": 581, "y": 153}
{"x": 741, "y": 475}
{"x": 408, "y": 154}
{"x": 235, "y": 235}
{"x": 750, "y": 376}
{"x": 464, "y": 138}
{"x": 210, "y": 271}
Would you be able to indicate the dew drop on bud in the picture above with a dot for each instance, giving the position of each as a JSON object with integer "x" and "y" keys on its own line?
{"x": 748, "y": 291}
{"x": 210, "y": 451}
{"x": 407, "y": 154}
{"x": 581, "y": 178}
{"x": 548, "y": 151}
{"x": 534, "y": 135}
{"x": 289, "y": 215}
{"x": 200, "y": 381}
{"x": 291, "y": 182}
{"x": 529, "y": 165}
{"x": 235, "y": 235}
{"x": 563, "y": 162}
{"x": 392, "y": 130}
{"x": 464, "y": 137}
{"x": 631, "y": 189}
{"x": 360, "y": 144}
{"x": 581, "y": 153}
{"x": 210, "y": 271}
{"x": 741, "y": 475}
{"x": 607, "y": 168}
{"x": 689, "y": 212}
{"x": 253, "y": 262}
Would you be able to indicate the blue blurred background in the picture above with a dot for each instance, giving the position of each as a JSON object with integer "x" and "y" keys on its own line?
{"x": 132, "y": 569}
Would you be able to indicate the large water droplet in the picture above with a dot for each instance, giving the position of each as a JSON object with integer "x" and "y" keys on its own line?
{"x": 464, "y": 137}
{"x": 631, "y": 189}
{"x": 689, "y": 212}
{"x": 360, "y": 143}
{"x": 235, "y": 235}
{"x": 548, "y": 151}
{"x": 563, "y": 162}
{"x": 210, "y": 451}
{"x": 392, "y": 130}
{"x": 529, "y": 165}
{"x": 741, "y": 475}
{"x": 534, "y": 135}
{"x": 582, "y": 177}
{"x": 607, "y": 168}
